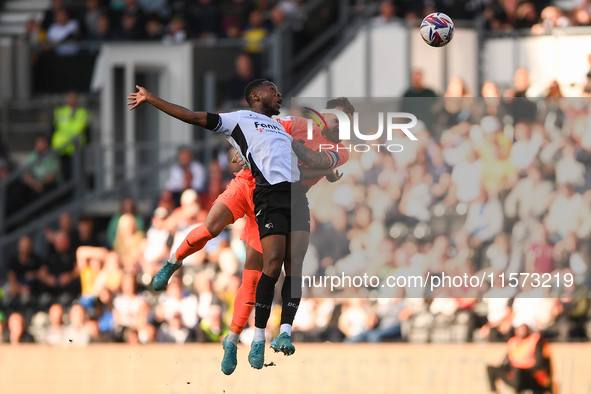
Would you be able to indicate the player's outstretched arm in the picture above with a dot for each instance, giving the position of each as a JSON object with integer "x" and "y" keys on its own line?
{"x": 176, "y": 111}
{"x": 314, "y": 160}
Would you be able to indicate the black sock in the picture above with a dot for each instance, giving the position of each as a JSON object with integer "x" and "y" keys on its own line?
{"x": 264, "y": 300}
{"x": 291, "y": 293}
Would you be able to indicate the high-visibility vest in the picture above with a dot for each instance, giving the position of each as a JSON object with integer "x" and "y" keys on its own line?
{"x": 69, "y": 125}
{"x": 522, "y": 351}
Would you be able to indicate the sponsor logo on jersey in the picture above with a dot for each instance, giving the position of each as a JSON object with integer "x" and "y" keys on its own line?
{"x": 267, "y": 126}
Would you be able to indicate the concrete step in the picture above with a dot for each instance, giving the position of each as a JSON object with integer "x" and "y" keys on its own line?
{"x": 13, "y": 30}
{"x": 19, "y": 17}
{"x": 27, "y": 5}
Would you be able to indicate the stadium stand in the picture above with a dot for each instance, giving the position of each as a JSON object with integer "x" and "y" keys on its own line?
{"x": 452, "y": 224}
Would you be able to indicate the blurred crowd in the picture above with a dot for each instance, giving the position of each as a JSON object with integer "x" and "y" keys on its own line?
{"x": 538, "y": 16}
{"x": 496, "y": 184}
{"x": 167, "y": 21}
{"x": 172, "y": 21}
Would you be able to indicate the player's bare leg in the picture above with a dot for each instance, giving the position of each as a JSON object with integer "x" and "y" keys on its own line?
{"x": 243, "y": 305}
{"x": 218, "y": 218}
{"x": 291, "y": 292}
{"x": 274, "y": 249}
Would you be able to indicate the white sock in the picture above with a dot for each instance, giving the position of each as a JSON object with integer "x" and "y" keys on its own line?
{"x": 285, "y": 328}
{"x": 233, "y": 337}
{"x": 259, "y": 334}
{"x": 173, "y": 259}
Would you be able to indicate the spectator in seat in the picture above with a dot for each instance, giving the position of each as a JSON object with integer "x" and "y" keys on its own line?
{"x": 521, "y": 108}
{"x": 17, "y": 330}
{"x": 104, "y": 33}
{"x": 354, "y": 318}
{"x": 111, "y": 275}
{"x": 243, "y": 74}
{"x": 212, "y": 328}
{"x": 49, "y": 15}
{"x": 90, "y": 261}
{"x": 527, "y": 365}
{"x": 55, "y": 334}
{"x": 96, "y": 336}
{"x": 173, "y": 331}
{"x": 216, "y": 185}
{"x": 551, "y": 17}
{"x": 154, "y": 7}
{"x": 105, "y": 315}
{"x": 61, "y": 31}
{"x": 3, "y": 328}
{"x": 484, "y": 219}
{"x": 581, "y": 17}
{"x": 526, "y": 148}
{"x": 416, "y": 196}
{"x": 127, "y": 206}
{"x": 77, "y": 332}
{"x": 499, "y": 324}
{"x": 525, "y": 16}
{"x": 175, "y": 31}
{"x": 128, "y": 243}
{"x": 417, "y": 86}
{"x": 539, "y": 258}
{"x": 17, "y": 193}
{"x": 554, "y": 90}
{"x": 127, "y": 305}
{"x": 23, "y": 280}
{"x": 70, "y": 121}
{"x": 131, "y": 28}
{"x": 255, "y": 32}
{"x": 569, "y": 169}
{"x": 388, "y": 320}
{"x": 421, "y": 108}
{"x": 59, "y": 274}
{"x": 91, "y": 16}
{"x": 187, "y": 173}
{"x": 156, "y": 246}
{"x": 43, "y": 169}
{"x": 154, "y": 29}
{"x": 519, "y": 202}
{"x": 466, "y": 180}
{"x": 85, "y": 235}
{"x": 66, "y": 225}
{"x": 387, "y": 14}
{"x": 568, "y": 213}
{"x": 236, "y": 12}
{"x": 498, "y": 174}
{"x": 175, "y": 301}
{"x": 204, "y": 19}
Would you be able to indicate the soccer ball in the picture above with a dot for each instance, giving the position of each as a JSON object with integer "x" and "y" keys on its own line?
{"x": 437, "y": 29}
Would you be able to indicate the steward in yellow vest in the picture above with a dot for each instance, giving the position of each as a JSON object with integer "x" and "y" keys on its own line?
{"x": 69, "y": 121}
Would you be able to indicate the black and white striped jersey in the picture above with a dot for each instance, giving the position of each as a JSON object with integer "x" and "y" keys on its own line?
{"x": 263, "y": 142}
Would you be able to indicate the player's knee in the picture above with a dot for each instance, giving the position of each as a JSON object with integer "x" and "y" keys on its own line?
{"x": 297, "y": 257}
{"x": 273, "y": 272}
{"x": 273, "y": 267}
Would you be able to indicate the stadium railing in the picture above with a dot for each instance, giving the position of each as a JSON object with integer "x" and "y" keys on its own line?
{"x": 144, "y": 181}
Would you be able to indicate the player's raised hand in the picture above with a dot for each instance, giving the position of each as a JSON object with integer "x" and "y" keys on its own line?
{"x": 334, "y": 177}
{"x": 137, "y": 98}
